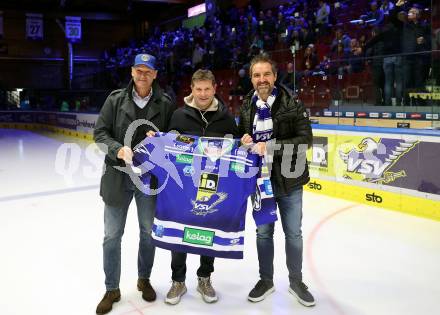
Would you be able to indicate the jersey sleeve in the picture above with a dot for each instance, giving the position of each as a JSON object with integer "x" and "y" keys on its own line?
{"x": 149, "y": 158}
{"x": 264, "y": 204}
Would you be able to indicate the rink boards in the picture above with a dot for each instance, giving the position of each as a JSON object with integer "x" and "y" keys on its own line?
{"x": 391, "y": 168}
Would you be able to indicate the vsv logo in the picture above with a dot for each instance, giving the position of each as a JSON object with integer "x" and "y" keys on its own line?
{"x": 263, "y": 136}
{"x": 314, "y": 185}
{"x": 199, "y": 206}
{"x": 367, "y": 166}
{"x": 373, "y": 198}
{"x": 198, "y": 236}
{"x": 364, "y": 159}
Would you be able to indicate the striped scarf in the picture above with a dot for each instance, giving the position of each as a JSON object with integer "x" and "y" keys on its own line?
{"x": 263, "y": 126}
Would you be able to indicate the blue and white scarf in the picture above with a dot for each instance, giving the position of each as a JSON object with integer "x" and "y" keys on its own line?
{"x": 263, "y": 126}
{"x": 261, "y": 132}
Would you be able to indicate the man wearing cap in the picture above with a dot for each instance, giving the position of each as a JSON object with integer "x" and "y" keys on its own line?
{"x": 141, "y": 99}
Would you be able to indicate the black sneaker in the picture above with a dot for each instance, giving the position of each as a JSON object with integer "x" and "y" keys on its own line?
{"x": 261, "y": 290}
{"x": 302, "y": 294}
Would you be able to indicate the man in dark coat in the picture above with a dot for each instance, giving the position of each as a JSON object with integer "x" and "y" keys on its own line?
{"x": 279, "y": 126}
{"x": 203, "y": 114}
{"x": 142, "y": 99}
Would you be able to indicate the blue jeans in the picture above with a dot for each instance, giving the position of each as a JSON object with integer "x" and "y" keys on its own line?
{"x": 114, "y": 224}
{"x": 290, "y": 210}
{"x": 393, "y": 72}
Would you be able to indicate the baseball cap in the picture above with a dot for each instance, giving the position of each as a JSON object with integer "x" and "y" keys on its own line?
{"x": 146, "y": 60}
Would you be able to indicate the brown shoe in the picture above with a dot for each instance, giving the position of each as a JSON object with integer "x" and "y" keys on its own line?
{"x": 107, "y": 301}
{"x": 148, "y": 293}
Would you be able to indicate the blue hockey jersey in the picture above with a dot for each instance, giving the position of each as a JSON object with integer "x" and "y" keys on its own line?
{"x": 204, "y": 184}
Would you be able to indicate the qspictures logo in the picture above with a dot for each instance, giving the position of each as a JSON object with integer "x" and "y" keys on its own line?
{"x": 198, "y": 236}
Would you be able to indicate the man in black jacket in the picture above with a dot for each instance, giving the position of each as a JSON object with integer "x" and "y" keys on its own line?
{"x": 279, "y": 126}
{"x": 416, "y": 44}
{"x": 142, "y": 99}
{"x": 203, "y": 114}
{"x": 388, "y": 41}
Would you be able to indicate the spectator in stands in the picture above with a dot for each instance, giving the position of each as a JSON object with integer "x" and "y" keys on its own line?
{"x": 356, "y": 61}
{"x": 293, "y": 128}
{"x": 322, "y": 16}
{"x": 340, "y": 38}
{"x": 280, "y": 26}
{"x": 415, "y": 40}
{"x": 238, "y": 58}
{"x": 258, "y": 42}
{"x": 197, "y": 57}
{"x": 203, "y": 114}
{"x": 376, "y": 52}
{"x": 291, "y": 28}
{"x": 250, "y": 26}
{"x": 308, "y": 14}
{"x": 142, "y": 99}
{"x": 307, "y": 37}
{"x": 309, "y": 61}
{"x": 339, "y": 60}
{"x": 386, "y": 6}
{"x": 375, "y": 16}
{"x": 324, "y": 67}
{"x": 296, "y": 40}
{"x": 362, "y": 41}
{"x": 288, "y": 78}
{"x": 244, "y": 84}
{"x": 390, "y": 38}
{"x": 270, "y": 23}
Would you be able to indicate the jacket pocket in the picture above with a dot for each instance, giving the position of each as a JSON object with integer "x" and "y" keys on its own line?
{"x": 284, "y": 124}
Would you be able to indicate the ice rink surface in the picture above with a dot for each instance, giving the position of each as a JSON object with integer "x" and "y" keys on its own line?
{"x": 358, "y": 260}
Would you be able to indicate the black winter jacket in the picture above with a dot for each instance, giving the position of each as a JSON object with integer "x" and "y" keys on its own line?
{"x": 117, "y": 113}
{"x": 291, "y": 125}
{"x": 188, "y": 120}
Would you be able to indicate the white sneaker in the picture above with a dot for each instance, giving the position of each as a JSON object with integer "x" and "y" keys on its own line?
{"x": 206, "y": 290}
{"x": 175, "y": 293}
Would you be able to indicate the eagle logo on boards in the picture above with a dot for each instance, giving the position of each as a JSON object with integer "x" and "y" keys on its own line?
{"x": 371, "y": 159}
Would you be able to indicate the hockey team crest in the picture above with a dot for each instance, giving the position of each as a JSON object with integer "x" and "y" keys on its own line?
{"x": 215, "y": 148}
{"x": 207, "y": 196}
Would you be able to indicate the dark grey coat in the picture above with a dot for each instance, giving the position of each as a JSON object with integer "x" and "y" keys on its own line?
{"x": 116, "y": 115}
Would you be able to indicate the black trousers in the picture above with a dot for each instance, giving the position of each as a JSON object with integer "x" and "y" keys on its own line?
{"x": 178, "y": 266}
{"x": 378, "y": 81}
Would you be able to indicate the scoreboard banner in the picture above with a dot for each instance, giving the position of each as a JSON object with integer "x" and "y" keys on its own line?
{"x": 34, "y": 26}
{"x": 73, "y": 28}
